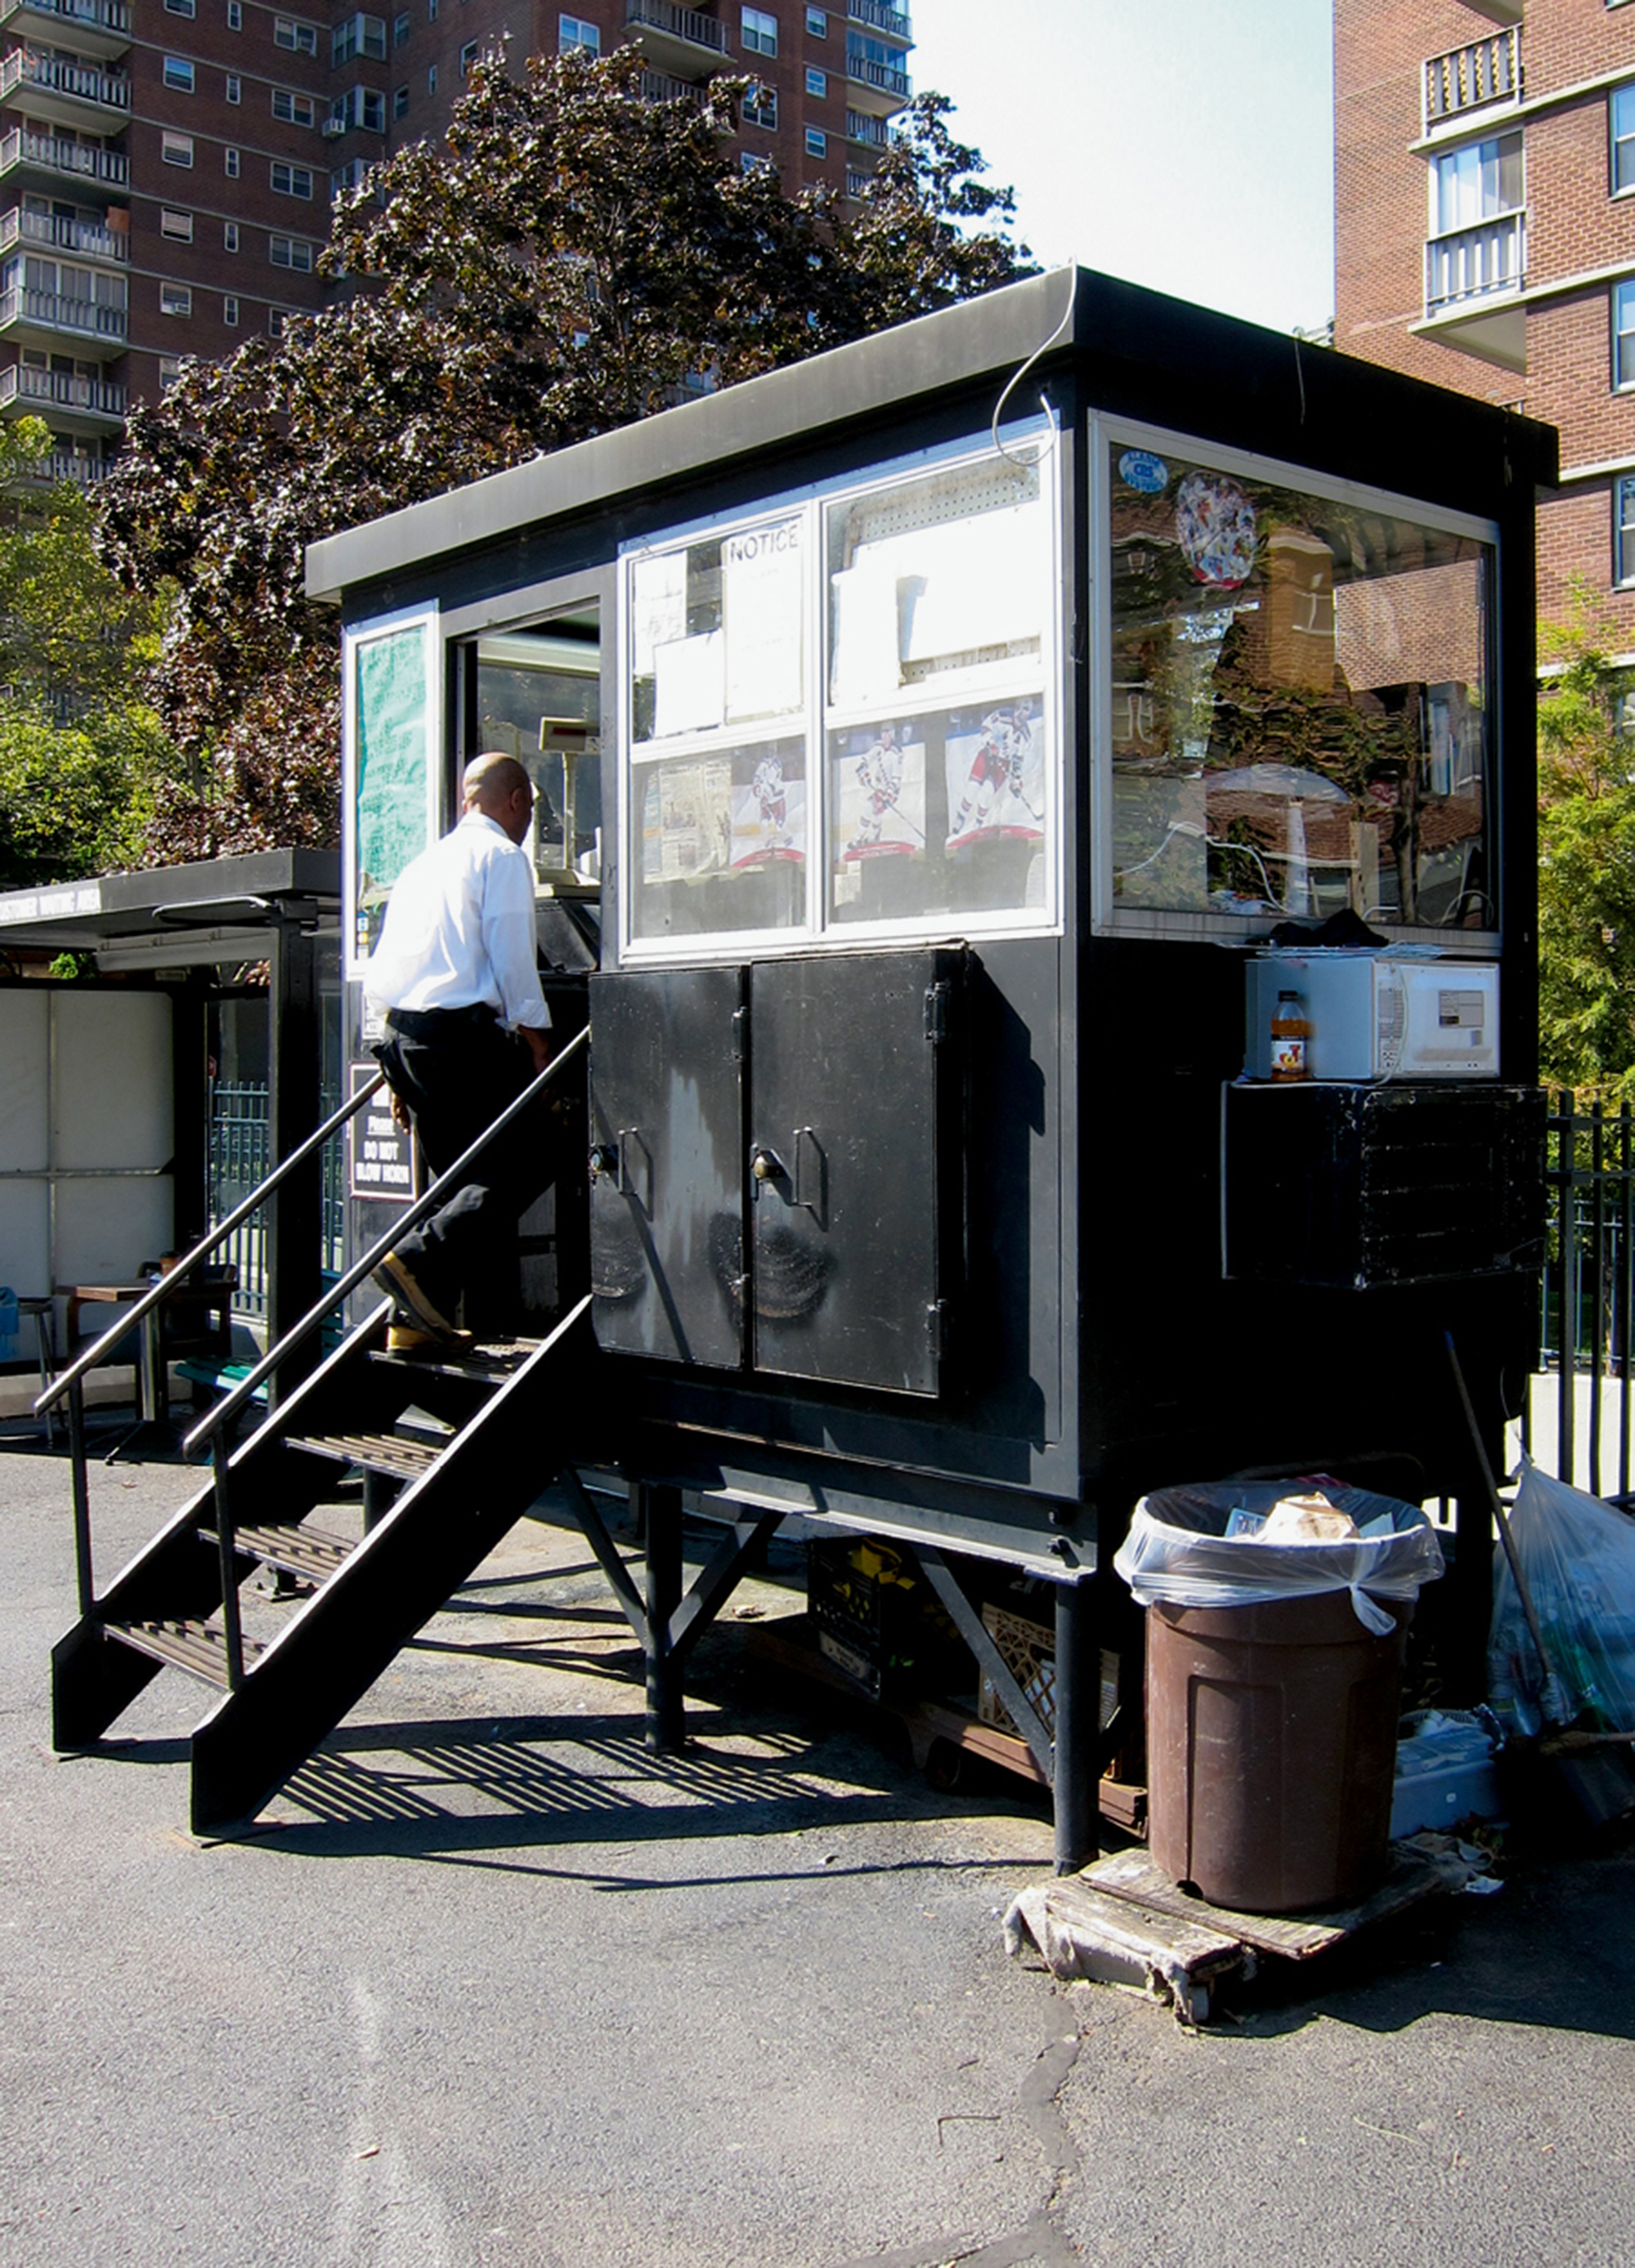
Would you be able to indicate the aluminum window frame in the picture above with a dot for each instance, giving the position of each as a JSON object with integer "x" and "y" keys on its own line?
{"x": 1103, "y": 431}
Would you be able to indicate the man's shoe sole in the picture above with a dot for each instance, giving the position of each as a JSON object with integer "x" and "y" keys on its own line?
{"x": 393, "y": 1276}
{"x": 408, "y": 1338}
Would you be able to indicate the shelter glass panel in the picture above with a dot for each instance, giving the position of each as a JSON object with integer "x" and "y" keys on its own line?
{"x": 1299, "y": 701}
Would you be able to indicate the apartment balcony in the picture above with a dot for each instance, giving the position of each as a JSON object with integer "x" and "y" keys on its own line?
{"x": 873, "y": 132}
{"x": 856, "y": 181}
{"x": 1477, "y": 76}
{"x": 90, "y": 240}
{"x": 663, "y": 87}
{"x": 68, "y": 465}
{"x": 879, "y": 18}
{"x": 679, "y": 40}
{"x": 42, "y": 156}
{"x": 101, "y": 28}
{"x": 69, "y": 403}
{"x": 66, "y": 94}
{"x": 880, "y": 88}
{"x": 1472, "y": 276}
{"x": 33, "y": 318}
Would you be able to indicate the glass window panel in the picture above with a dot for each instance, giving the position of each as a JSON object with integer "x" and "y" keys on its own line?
{"x": 721, "y": 841}
{"x": 939, "y": 815}
{"x": 539, "y": 695}
{"x": 718, "y": 632}
{"x": 1622, "y": 108}
{"x": 937, "y": 582}
{"x": 1299, "y": 721}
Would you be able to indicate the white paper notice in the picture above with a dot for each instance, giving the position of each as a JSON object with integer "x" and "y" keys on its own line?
{"x": 972, "y": 583}
{"x": 657, "y": 607}
{"x": 864, "y": 666}
{"x": 762, "y": 610}
{"x": 687, "y": 690}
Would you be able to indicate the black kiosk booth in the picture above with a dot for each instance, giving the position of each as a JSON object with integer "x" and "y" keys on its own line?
{"x": 928, "y": 740}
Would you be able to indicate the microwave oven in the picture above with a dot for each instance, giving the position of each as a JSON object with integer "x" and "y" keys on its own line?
{"x": 1376, "y": 1017}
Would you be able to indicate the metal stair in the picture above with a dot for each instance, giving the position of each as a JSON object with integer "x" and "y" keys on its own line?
{"x": 168, "y": 1607}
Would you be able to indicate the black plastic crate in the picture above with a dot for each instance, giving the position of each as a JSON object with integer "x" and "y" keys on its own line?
{"x": 878, "y": 1620}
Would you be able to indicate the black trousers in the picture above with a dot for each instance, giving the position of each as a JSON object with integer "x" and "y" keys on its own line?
{"x": 457, "y": 1071}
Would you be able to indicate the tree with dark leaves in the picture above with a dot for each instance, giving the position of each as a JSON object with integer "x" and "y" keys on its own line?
{"x": 572, "y": 259}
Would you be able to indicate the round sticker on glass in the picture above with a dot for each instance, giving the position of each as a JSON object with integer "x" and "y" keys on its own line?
{"x": 1140, "y": 469}
{"x": 1215, "y": 522}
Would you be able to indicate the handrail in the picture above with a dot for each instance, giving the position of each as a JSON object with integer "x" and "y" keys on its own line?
{"x": 174, "y": 1277}
{"x": 426, "y": 1203}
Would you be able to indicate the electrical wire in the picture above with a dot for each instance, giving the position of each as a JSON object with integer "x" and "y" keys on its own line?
{"x": 1018, "y": 375}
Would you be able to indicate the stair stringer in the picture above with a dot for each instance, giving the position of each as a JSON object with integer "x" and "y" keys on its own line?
{"x": 333, "y": 1646}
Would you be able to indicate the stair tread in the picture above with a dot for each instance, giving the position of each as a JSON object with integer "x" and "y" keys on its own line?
{"x": 294, "y": 1546}
{"x": 198, "y": 1648}
{"x": 386, "y": 1453}
{"x": 489, "y": 1363}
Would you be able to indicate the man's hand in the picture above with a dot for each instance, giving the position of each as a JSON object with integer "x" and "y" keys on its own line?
{"x": 400, "y": 1114}
{"x": 536, "y": 1038}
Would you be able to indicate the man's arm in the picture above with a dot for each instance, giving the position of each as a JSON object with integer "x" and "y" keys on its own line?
{"x": 508, "y": 939}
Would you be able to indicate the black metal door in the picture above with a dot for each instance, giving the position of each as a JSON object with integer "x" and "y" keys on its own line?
{"x": 855, "y": 1166}
{"x": 666, "y": 1183}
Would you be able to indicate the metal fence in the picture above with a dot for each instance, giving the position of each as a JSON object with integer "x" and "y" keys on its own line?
{"x": 239, "y": 1161}
{"x": 1578, "y": 1420}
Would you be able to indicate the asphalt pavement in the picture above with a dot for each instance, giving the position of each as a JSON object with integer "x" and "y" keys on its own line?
{"x": 490, "y": 1984}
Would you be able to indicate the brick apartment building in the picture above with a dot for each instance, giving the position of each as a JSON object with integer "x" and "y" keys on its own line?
{"x": 1485, "y": 174}
{"x": 167, "y": 165}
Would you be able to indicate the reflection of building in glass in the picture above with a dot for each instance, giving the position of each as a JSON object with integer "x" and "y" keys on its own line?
{"x": 1297, "y": 708}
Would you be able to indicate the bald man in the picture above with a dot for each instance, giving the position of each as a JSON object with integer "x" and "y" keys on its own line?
{"x": 455, "y": 975}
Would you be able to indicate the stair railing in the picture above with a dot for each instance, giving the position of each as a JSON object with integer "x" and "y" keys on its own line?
{"x": 212, "y": 1428}
{"x": 70, "y": 1381}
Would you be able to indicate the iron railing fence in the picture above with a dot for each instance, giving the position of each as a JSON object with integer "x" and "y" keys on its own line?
{"x": 240, "y": 1157}
{"x": 1586, "y": 1361}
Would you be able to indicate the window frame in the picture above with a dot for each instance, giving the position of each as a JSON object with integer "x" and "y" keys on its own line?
{"x": 1105, "y": 430}
{"x": 1623, "y": 141}
{"x": 303, "y": 36}
{"x": 175, "y": 225}
{"x": 817, "y": 23}
{"x": 583, "y": 35}
{"x": 751, "y": 38}
{"x": 287, "y": 189}
{"x": 296, "y": 102}
{"x": 176, "y": 149}
{"x": 1623, "y": 532}
{"x": 179, "y": 75}
{"x": 293, "y": 244}
{"x": 230, "y": 311}
{"x": 817, "y": 722}
{"x": 175, "y": 300}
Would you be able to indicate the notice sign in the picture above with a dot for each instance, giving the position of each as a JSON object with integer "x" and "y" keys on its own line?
{"x": 383, "y": 1155}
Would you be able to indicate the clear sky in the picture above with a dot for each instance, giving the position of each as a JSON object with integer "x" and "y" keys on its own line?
{"x": 1187, "y": 144}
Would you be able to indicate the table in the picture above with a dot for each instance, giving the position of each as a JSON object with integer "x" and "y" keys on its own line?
{"x": 202, "y": 1298}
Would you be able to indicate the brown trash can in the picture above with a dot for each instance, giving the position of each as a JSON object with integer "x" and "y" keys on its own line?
{"x": 1271, "y": 1750}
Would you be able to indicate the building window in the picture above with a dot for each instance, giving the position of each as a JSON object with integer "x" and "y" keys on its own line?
{"x": 817, "y": 143}
{"x": 431, "y": 79}
{"x": 1624, "y": 531}
{"x": 754, "y": 161}
{"x": 360, "y": 35}
{"x": 760, "y": 106}
{"x": 292, "y": 181}
{"x": 817, "y": 23}
{"x": 817, "y": 83}
{"x": 1477, "y": 242}
{"x": 290, "y": 252}
{"x": 360, "y": 105}
{"x": 235, "y": 89}
{"x": 399, "y": 102}
{"x": 1623, "y": 337}
{"x": 1621, "y": 114}
{"x": 175, "y": 298}
{"x": 431, "y": 11}
{"x": 300, "y": 39}
{"x": 574, "y": 32}
{"x": 180, "y": 7}
{"x": 230, "y": 311}
{"x": 177, "y": 225}
{"x": 179, "y": 74}
{"x": 400, "y": 30}
{"x": 235, "y": 15}
{"x": 292, "y": 109}
{"x": 170, "y": 372}
{"x": 176, "y": 149}
{"x": 760, "y": 32}
{"x": 230, "y": 164}
{"x": 1479, "y": 182}
{"x": 468, "y": 56}
{"x": 278, "y": 320}
{"x": 230, "y": 236}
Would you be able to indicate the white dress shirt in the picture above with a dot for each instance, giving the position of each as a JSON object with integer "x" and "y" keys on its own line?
{"x": 459, "y": 930}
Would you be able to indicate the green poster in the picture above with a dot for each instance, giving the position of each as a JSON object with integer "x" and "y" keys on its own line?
{"x": 391, "y": 801}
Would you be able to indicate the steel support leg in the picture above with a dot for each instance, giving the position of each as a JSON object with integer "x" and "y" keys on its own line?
{"x": 661, "y": 1520}
{"x": 1076, "y": 1782}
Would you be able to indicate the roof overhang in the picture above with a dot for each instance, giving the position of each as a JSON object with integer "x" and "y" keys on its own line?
{"x": 210, "y": 910}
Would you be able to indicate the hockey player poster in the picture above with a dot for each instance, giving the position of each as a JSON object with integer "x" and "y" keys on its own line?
{"x": 770, "y": 812}
{"x": 880, "y": 771}
{"x": 996, "y": 773}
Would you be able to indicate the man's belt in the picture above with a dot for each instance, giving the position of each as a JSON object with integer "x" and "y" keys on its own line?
{"x": 428, "y": 1023}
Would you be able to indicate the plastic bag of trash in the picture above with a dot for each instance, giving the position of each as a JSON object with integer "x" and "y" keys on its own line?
{"x": 1201, "y": 1547}
{"x": 1577, "y": 1556}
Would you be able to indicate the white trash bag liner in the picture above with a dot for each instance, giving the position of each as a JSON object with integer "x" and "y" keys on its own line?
{"x": 1178, "y": 1551}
